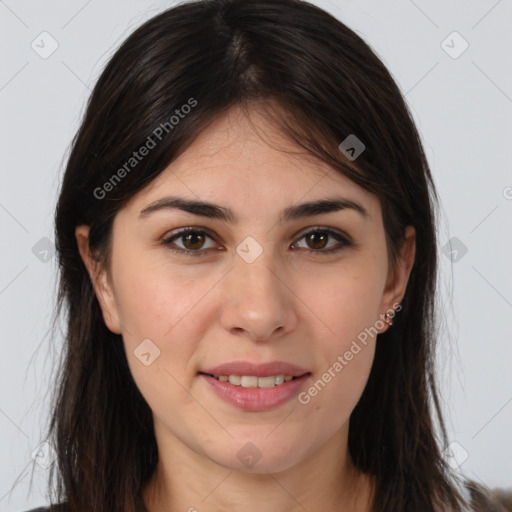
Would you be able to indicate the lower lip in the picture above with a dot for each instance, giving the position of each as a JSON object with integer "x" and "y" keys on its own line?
{"x": 256, "y": 399}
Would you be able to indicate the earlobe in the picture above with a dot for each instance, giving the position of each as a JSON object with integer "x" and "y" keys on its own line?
{"x": 99, "y": 280}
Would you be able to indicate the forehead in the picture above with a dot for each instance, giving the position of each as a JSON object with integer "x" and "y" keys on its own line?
{"x": 238, "y": 158}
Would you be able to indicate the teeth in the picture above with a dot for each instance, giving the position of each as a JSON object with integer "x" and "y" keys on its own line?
{"x": 251, "y": 381}
{"x": 235, "y": 379}
{"x": 248, "y": 381}
{"x": 270, "y": 381}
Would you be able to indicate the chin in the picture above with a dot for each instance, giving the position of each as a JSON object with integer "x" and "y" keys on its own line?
{"x": 254, "y": 458}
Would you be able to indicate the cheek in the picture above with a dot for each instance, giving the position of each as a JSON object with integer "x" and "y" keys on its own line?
{"x": 346, "y": 302}
{"x": 338, "y": 385}
{"x": 348, "y": 307}
{"x": 156, "y": 301}
{"x": 165, "y": 308}
{"x": 160, "y": 307}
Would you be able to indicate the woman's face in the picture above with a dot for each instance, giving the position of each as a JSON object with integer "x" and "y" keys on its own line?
{"x": 252, "y": 283}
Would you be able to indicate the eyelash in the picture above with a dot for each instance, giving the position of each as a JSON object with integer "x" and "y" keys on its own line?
{"x": 346, "y": 242}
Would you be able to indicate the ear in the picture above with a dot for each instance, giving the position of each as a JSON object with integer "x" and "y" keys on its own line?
{"x": 398, "y": 277}
{"x": 100, "y": 281}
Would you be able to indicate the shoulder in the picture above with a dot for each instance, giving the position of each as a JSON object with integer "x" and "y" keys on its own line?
{"x": 503, "y": 497}
{"x": 64, "y": 507}
{"x": 482, "y": 498}
{"x": 61, "y": 507}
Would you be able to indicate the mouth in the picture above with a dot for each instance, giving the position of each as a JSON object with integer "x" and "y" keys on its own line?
{"x": 253, "y": 381}
{"x": 255, "y": 393}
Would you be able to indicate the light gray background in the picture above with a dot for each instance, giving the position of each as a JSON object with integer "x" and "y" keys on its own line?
{"x": 463, "y": 108}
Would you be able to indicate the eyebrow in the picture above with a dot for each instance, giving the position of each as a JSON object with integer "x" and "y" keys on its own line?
{"x": 214, "y": 211}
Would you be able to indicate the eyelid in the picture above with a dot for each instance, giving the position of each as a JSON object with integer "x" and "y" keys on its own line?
{"x": 176, "y": 234}
{"x": 336, "y": 231}
{"x": 342, "y": 237}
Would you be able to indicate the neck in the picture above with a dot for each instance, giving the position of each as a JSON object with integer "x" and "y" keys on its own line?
{"x": 327, "y": 481}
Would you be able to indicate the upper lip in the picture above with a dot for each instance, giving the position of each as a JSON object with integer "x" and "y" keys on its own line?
{"x": 257, "y": 370}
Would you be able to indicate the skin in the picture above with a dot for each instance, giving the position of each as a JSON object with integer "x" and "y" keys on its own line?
{"x": 290, "y": 304}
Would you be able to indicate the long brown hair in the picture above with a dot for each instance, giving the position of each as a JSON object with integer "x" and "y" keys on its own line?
{"x": 319, "y": 82}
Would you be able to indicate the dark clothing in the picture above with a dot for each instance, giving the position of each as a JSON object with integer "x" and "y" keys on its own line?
{"x": 498, "y": 500}
{"x": 63, "y": 507}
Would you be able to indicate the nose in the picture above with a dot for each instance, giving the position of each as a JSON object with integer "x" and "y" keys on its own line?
{"x": 258, "y": 302}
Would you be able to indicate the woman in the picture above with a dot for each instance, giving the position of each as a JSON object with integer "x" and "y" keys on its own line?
{"x": 246, "y": 238}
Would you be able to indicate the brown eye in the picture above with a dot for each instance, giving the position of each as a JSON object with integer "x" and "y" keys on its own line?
{"x": 192, "y": 242}
{"x": 318, "y": 240}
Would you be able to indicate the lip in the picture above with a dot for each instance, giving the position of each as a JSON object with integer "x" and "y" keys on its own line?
{"x": 257, "y": 370}
{"x": 256, "y": 399}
